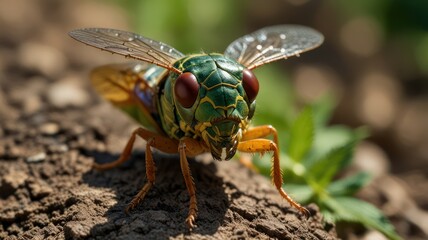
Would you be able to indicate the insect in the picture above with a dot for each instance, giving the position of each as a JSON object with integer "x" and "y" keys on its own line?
{"x": 197, "y": 103}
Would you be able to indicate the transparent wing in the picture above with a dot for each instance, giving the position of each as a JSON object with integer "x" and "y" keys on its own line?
{"x": 131, "y": 87}
{"x": 273, "y": 43}
{"x": 130, "y": 45}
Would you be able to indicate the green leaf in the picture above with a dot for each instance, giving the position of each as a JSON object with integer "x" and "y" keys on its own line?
{"x": 322, "y": 110}
{"x": 354, "y": 210}
{"x": 328, "y": 139}
{"x": 301, "y": 135}
{"x": 328, "y": 215}
{"x": 301, "y": 193}
{"x": 323, "y": 170}
{"x": 349, "y": 185}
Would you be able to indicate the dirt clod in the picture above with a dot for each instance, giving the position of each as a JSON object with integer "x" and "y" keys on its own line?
{"x": 12, "y": 181}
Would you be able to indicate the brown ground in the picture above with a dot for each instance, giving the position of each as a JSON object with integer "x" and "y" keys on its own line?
{"x": 52, "y": 127}
{"x": 49, "y": 190}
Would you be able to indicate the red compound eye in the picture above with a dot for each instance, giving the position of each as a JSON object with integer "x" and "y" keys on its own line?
{"x": 186, "y": 89}
{"x": 251, "y": 84}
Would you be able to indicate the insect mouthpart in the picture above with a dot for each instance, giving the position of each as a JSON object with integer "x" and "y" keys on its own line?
{"x": 223, "y": 150}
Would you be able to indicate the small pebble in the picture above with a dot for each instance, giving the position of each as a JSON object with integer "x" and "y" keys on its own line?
{"x": 49, "y": 128}
{"x": 67, "y": 93}
{"x": 58, "y": 148}
{"x": 42, "y": 57}
{"x": 38, "y": 157}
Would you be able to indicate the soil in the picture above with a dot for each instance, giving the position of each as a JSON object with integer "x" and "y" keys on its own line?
{"x": 48, "y": 189}
{"x": 53, "y": 127}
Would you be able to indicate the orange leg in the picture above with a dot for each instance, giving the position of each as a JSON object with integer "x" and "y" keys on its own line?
{"x": 260, "y": 132}
{"x": 262, "y": 146}
{"x": 257, "y": 132}
{"x": 163, "y": 143}
{"x": 155, "y": 140}
{"x": 187, "y": 146}
{"x": 191, "y": 147}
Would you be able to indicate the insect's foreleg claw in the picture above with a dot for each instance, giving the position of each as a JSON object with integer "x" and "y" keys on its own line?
{"x": 305, "y": 212}
{"x": 190, "y": 221}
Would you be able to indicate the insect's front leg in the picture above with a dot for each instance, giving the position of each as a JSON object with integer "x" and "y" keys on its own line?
{"x": 155, "y": 140}
{"x": 150, "y": 173}
{"x": 254, "y": 133}
{"x": 260, "y": 132}
{"x": 265, "y": 145}
{"x": 163, "y": 143}
{"x": 190, "y": 147}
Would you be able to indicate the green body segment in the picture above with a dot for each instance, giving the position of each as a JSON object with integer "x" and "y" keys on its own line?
{"x": 221, "y": 109}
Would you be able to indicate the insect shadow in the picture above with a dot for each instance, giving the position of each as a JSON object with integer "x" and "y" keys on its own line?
{"x": 163, "y": 211}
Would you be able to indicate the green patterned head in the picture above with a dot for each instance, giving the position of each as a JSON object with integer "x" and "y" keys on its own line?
{"x": 215, "y": 95}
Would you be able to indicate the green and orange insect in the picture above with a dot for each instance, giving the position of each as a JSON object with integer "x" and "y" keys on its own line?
{"x": 192, "y": 104}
